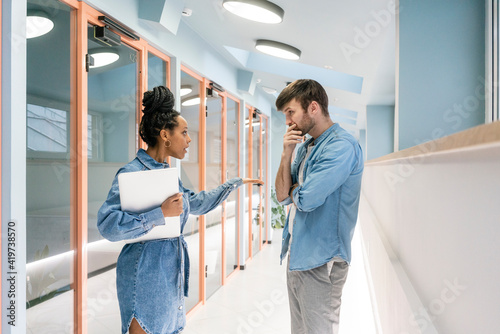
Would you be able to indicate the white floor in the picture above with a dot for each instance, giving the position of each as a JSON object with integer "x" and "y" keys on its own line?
{"x": 255, "y": 299}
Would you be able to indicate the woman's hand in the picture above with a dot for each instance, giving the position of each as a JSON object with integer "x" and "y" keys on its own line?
{"x": 172, "y": 207}
{"x": 254, "y": 181}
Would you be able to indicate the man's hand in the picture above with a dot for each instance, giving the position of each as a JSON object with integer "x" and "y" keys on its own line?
{"x": 292, "y": 188}
{"x": 291, "y": 139}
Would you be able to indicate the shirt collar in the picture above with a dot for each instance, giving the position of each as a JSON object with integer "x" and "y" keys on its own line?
{"x": 325, "y": 134}
{"x": 149, "y": 162}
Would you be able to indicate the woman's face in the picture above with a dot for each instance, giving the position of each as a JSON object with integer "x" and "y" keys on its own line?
{"x": 179, "y": 139}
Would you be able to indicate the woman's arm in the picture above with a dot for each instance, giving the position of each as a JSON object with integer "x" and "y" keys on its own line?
{"x": 205, "y": 201}
{"x": 115, "y": 224}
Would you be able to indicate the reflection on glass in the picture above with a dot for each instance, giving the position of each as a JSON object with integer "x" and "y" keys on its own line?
{"x": 256, "y": 166}
{"x": 157, "y": 71}
{"x": 263, "y": 190}
{"x": 190, "y": 170}
{"x": 213, "y": 219}
{"x": 246, "y": 189}
{"x": 49, "y": 252}
{"x": 231, "y": 209}
{"x": 112, "y": 103}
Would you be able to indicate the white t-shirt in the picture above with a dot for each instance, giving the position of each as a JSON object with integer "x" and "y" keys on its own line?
{"x": 293, "y": 209}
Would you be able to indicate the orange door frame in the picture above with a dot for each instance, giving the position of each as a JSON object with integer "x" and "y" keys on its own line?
{"x": 250, "y": 175}
{"x": 202, "y": 181}
{"x": 261, "y": 150}
{"x": 83, "y": 15}
{"x": 237, "y": 216}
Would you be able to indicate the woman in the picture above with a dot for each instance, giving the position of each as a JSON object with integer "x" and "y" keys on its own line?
{"x": 152, "y": 276}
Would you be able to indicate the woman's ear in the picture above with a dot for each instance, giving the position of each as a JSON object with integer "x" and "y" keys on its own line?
{"x": 164, "y": 134}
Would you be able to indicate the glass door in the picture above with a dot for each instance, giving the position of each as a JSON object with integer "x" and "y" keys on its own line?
{"x": 247, "y": 205}
{"x": 157, "y": 71}
{"x": 190, "y": 177}
{"x": 263, "y": 175}
{"x": 113, "y": 93}
{"x": 232, "y": 166}
{"x": 213, "y": 219}
{"x": 256, "y": 191}
{"x": 50, "y": 222}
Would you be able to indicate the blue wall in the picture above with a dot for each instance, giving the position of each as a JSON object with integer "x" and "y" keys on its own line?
{"x": 362, "y": 142}
{"x": 441, "y": 68}
{"x": 379, "y": 131}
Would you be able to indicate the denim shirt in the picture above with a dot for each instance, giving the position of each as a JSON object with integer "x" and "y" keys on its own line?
{"x": 327, "y": 201}
{"x": 145, "y": 269}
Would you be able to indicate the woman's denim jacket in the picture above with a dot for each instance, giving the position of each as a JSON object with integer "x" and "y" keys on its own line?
{"x": 116, "y": 225}
{"x": 327, "y": 201}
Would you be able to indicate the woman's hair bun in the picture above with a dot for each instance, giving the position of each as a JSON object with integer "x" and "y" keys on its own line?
{"x": 158, "y": 97}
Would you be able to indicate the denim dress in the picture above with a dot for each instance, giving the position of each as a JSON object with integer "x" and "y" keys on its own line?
{"x": 152, "y": 276}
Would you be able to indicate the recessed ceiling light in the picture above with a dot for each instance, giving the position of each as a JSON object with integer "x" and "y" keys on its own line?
{"x": 186, "y": 89}
{"x": 256, "y": 10}
{"x": 268, "y": 90}
{"x": 277, "y": 49}
{"x": 103, "y": 57}
{"x": 38, "y": 23}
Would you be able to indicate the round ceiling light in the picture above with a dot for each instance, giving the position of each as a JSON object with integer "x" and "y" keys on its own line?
{"x": 256, "y": 10}
{"x": 277, "y": 49}
{"x": 103, "y": 57}
{"x": 186, "y": 89}
{"x": 192, "y": 101}
{"x": 38, "y": 24}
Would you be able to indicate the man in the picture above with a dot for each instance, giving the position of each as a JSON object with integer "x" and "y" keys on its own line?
{"x": 323, "y": 185}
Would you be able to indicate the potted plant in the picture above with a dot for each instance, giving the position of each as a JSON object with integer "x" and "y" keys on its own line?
{"x": 278, "y": 214}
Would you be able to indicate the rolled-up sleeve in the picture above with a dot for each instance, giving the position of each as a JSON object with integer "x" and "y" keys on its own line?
{"x": 327, "y": 173}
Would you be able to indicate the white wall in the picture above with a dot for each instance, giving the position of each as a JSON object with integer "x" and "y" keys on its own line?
{"x": 430, "y": 227}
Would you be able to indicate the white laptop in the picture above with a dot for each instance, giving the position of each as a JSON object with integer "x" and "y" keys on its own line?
{"x": 145, "y": 190}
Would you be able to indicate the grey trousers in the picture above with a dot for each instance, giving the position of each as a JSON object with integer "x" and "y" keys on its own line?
{"x": 314, "y": 296}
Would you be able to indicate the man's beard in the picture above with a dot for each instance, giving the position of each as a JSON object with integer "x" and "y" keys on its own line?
{"x": 306, "y": 125}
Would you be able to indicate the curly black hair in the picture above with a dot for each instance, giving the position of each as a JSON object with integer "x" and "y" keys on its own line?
{"x": 159, "y": 114}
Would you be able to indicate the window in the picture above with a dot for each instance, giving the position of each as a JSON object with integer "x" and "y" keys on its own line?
{"x": 48, "y": 133}
{"x": 47, "y": 129}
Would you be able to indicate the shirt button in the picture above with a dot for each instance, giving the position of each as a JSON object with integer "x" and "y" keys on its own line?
{"x": 180, "y": 307}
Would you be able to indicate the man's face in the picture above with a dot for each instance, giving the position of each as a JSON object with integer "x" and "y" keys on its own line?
{"x": 295, "y": 114}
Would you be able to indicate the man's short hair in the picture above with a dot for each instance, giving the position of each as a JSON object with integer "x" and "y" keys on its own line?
{"x": 305, "y": 91}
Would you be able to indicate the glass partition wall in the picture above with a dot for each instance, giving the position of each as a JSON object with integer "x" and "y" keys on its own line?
{"x": 191, "y": 88}
{"x": 213, "y": 170}
{"x": 231, "y": 224}
{"x": 81, "y": 128}
{"x": 49, "y": 203}
{"x": 264, "y": 196}
{"x": 112, "y": 134}
{"x": 247, "y": 205}
{"x": 255, "y": 127}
